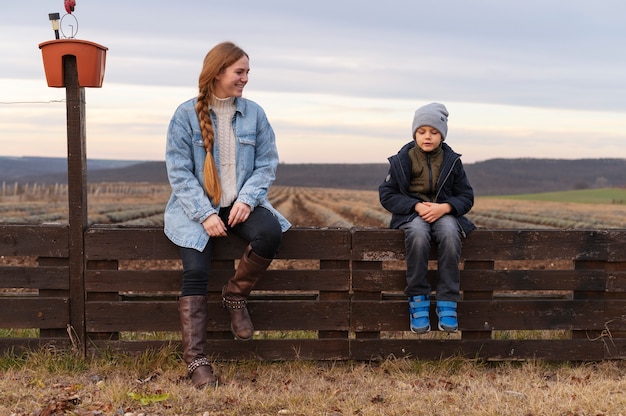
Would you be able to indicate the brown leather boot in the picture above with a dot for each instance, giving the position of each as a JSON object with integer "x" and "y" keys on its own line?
{"x": 193, "y": 322}
{"x": 236, "y": 291}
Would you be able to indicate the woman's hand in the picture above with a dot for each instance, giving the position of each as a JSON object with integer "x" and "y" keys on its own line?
{"x": 238, "y": 213}
{"x": 214, "y": 226}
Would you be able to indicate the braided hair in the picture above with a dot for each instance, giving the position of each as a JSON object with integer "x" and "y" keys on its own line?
{"x": 220, "y": 57}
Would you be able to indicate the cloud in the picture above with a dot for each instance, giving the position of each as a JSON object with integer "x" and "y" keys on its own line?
{"x": 343, "y": 73}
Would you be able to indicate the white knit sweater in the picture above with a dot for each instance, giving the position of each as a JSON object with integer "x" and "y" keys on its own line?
{"x": 224, "y": 109}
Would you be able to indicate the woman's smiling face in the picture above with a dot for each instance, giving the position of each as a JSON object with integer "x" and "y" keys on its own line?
{"x": 230, "y": 82}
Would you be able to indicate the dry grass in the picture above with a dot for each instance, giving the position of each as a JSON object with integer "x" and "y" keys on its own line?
{"x": 47, "y": 383}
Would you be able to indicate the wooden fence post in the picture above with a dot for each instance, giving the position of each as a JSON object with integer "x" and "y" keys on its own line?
{"x": 77, "y": 196}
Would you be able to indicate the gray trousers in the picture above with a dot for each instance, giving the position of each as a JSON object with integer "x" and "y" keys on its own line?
{"x": 418, "y": 234}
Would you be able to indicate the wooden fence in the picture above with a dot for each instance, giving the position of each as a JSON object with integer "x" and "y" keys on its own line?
{"x": 332, "y": 294}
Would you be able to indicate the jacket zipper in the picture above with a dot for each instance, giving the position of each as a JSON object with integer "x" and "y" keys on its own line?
{"x": 437, "y": 196}
{"x": 430, "y": 175}
{"x": 446, "y": 178}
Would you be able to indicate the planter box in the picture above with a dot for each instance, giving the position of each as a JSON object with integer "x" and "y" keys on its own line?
{"x": 90, "y": 61}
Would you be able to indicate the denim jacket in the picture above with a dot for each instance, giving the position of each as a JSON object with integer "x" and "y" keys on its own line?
{"x": 257, "y": 160}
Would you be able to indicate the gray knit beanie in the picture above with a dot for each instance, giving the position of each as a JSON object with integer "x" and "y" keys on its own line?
{"x": 433, "y": 115}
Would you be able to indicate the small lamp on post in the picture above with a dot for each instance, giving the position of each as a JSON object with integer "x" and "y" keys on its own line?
{"x": 54, "y": 18}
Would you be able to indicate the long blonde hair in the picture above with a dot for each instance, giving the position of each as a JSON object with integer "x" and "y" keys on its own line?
{"x": 220, "y": 57}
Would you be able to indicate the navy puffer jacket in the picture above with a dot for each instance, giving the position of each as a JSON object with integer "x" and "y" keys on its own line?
{"x": 453, "y": 188}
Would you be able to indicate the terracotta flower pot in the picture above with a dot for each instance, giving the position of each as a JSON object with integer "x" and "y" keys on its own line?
{"x": 90, "y": 60}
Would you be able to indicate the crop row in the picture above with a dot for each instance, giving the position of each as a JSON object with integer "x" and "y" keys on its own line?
{"x": 329, "y": 207}
{"x": 494, "y": 213}
{"x": 38, "y": 191}
{"x": 318, "y": 207}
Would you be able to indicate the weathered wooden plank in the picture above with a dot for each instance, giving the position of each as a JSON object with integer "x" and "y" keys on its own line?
{"x": 170, "y": 280}
{"x": 378, "y": 280}
{"x": 617, "y": 246}
{"x": 316, "y": 243}
{"x": 115, "y": 243}
{"x": 267, "y": 315}
{"x": 21, "y": 345}
{"x": 494, "y": 350}
{"x": 377, "y": 245}
{"x": 615, "y": 317}
{"x": 102, "y": 243}
{"x": 537, "y": 245}
{"x": 305, "y": 280}
{"x": 369, "y": 244}
{"x": 41, "y": 277}
{"x": 616, "y": 282}
{"x": 477, "y": 265}
{"x": 489, "y": 280}
{"x": 34, "y": 240}
{"x": 488, "y": 315}
{"x": 536, "y": 314}
{"x": 614, "y": 348}
{"x": 133, "y": 280}
{"x": 32, "y": 312}
{"x": 146, "y": 316}
{"x": 537, "y": 280}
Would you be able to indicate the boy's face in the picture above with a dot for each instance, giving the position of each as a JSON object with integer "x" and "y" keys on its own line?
{"x": 427, "y": 138}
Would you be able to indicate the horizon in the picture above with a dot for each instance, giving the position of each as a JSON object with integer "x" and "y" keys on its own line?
{"x": 325, "y": 163}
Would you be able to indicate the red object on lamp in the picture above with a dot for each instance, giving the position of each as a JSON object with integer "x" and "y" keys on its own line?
{"x": 70, "y": 5}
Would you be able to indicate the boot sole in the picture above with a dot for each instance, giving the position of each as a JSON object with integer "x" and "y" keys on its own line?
{"x": 237, "y": 337}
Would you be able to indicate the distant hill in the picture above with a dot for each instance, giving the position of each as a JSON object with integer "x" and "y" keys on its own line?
{"x": 521, "y": 176}
{"x": 342, "y": 176}
{"x": 54, "y": 169}
{"x": 491, "y": 177}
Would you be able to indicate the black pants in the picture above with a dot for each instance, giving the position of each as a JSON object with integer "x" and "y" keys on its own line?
{"x": 261, "y": 229}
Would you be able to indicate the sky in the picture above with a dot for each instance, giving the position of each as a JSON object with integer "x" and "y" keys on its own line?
{"x": 339, "y": 80}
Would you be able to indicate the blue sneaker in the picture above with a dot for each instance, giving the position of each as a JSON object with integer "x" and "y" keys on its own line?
{"x": 446, "y": 311}
{"x": 419, "y": 307}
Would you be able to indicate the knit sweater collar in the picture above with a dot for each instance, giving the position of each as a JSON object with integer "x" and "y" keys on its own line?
{"x": 222, "y": 105}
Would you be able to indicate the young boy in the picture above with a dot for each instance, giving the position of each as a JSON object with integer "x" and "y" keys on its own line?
{"x": 428, "y": 194}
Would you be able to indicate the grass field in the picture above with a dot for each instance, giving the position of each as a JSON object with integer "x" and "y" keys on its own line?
{"x": 143, "y": 204}
{"x": 585, "y": 196}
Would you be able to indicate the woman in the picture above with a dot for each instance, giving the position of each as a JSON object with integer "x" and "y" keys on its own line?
{"x": 221, "y": 159}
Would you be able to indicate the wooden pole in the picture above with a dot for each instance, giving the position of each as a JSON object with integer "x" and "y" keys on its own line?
{"x": 77, "y": 195}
